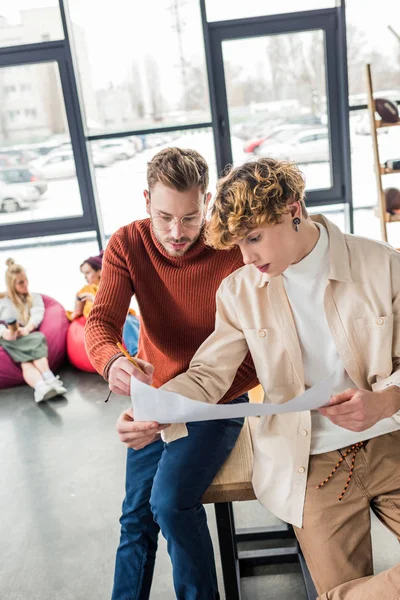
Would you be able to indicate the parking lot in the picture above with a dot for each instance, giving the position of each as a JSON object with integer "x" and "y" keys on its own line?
{"x": 121, "y": 184}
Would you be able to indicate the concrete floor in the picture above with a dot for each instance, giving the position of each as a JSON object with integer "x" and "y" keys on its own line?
{"x": 62, "y": 483}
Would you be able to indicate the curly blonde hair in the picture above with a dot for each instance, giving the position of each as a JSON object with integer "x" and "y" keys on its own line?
{"x": 253, "y": 194}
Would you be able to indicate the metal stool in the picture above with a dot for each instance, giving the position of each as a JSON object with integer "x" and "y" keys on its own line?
{"x": 233, "y": 483}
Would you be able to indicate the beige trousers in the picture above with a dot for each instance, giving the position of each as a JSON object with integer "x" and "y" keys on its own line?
{"x": 336, "y": 536}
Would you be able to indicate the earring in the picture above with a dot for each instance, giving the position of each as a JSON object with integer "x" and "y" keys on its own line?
{"x": 296, "y": 224}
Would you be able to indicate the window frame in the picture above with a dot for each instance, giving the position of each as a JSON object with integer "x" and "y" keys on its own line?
{"x": 327, "y": 20}
{"x": 59, "y": 52}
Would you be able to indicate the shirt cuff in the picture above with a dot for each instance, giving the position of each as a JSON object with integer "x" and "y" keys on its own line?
{"x": 174, "y": 432}
{"x": 396, "y": 416}
{"x": 108, "y": 365}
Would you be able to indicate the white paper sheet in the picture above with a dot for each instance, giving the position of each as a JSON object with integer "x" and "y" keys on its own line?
{"x": 150, "y": 404}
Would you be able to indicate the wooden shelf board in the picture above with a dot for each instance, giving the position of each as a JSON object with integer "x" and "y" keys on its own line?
{"x": 392, "y": 218}
{"x": 388, "y": 218}
{"x": 387, "y": 171}
{"x": 379, "y": 124}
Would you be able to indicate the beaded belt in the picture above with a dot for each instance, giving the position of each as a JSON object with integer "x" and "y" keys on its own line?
{"x": 355, "y": 449}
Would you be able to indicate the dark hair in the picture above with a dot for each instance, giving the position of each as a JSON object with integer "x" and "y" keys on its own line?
{"x": 96, "y": 262}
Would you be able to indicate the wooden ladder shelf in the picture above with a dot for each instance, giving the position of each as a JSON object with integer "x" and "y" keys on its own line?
{"x": 380, "y": 169}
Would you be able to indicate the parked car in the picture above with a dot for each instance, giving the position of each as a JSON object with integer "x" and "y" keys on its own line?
{"x": 56, "y": 164}
{"x": 121, "y": 149}
{"x": 60, "y": 164}
{"x": 251, "y": 145}
{"x": 17, "y": 197}
{"x": 102, "y": 157}
{"x": 277, "y": 134}
{"x": 21, "y": 174}
{"x": 306, "y": 146}
{"x": 6, "y": 160}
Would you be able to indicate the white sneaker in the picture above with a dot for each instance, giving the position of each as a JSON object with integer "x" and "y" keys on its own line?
{"x": 43, "y": 393}
{"x": 56, "y": 385}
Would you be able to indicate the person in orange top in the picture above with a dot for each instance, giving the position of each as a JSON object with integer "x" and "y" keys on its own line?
{"x": 91, "y": 269}
{"x": 164, "y": 261}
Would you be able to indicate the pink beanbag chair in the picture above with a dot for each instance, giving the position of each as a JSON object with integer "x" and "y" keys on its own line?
{"x": 76, "y": 350}
{"x": 54, "y": 326}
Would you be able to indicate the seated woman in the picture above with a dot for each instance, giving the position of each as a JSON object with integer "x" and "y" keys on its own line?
{"x": 91, "y": 269}
{"x": 21, "y": 313}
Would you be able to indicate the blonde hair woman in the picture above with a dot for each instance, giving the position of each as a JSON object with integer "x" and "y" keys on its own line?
{"x": 22, "y": 313}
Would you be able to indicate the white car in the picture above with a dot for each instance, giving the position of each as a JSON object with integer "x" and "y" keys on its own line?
{"x": 307, "y": 146}
{"x": 17, "y": 197}
{"x": 60, "y": 164}
{"x": 121, "y": 149}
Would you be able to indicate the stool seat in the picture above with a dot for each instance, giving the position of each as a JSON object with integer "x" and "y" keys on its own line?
{"x": 233, "y": 481}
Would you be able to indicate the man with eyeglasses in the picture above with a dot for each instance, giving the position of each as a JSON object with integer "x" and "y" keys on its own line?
{"x": 163, "y": 261}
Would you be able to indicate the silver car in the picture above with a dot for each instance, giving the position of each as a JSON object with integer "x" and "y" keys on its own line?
{"x": 18, "y": 196}
{"x": 23, "y": 174}
{"x": 307, "y": 146}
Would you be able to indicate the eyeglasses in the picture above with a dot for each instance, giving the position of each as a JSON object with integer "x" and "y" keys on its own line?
{"x": 166, "y": 223}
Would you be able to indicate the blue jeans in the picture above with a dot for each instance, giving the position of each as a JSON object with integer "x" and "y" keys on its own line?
{"x": 164, "y": 487}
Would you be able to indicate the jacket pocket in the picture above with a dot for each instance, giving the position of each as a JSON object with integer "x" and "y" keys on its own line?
{"x": 375, "y": 341}
{"x": 273, "y": 365}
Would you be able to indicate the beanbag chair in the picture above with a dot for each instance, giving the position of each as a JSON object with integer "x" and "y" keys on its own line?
{"x": 76, "y": 350}
{"x": 54, "y": 326}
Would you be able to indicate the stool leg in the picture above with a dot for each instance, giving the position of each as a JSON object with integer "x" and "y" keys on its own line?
{"x": 228, "y": 549}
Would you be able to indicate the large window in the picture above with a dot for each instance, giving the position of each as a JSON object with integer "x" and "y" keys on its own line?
{"x": 143, "y": 84}
{"x": 221, "y": 10}
{"x": 37, "y": 166}
{"x": 277, "y": 101}
{"x": 29, "y": 21}
{"x": 373, "y": 36}
{"x": 141, "y": 67}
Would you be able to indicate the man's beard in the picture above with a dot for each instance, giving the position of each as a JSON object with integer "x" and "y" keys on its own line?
{"x": 182, "y": 240}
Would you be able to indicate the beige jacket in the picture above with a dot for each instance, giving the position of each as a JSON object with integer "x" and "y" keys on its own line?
{"x": 362, "y": 306}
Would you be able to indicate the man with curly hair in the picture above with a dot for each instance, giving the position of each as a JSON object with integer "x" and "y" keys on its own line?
{"x": 310, "y": 301}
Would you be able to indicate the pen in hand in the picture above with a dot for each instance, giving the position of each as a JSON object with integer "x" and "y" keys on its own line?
{"x": 131, "y": 360}
{"x": 129, "y": 357}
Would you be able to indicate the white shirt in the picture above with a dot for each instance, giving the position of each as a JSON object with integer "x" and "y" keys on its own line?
{"x": 8, "y": 311}
{"x": 305, "y": 284}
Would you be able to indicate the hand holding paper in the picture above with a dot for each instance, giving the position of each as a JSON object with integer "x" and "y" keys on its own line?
{"x": 150, "y": 404}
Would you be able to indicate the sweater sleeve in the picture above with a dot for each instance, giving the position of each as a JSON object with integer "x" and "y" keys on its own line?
{"x": 37, "y": 311}
{"x": 107, "y": 317}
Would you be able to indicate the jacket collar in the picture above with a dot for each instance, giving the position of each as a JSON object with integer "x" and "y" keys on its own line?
{"x": 339, "y": 264}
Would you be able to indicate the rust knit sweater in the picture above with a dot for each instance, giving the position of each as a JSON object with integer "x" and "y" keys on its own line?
{"x": 176, "y": 298}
